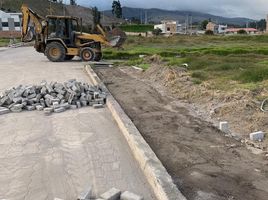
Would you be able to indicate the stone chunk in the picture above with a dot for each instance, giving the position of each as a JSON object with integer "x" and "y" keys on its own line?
{"x": 30, "y": 108}
{"x": 85, "y": 194}
{"x": 39, "y": 108}
{"x": 112, "y": 194}
{"x": 224, "y": 127}
{"x": 48, "y": 111}
{"x": 130, "y": 196}
{"x": 257, "y": 136}
{"x": 59, "y": 110}
{"x": 97, "y": 106}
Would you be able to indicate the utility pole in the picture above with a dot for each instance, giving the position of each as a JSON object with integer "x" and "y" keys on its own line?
{"x": 141, "y": 17}
{"x": 191, "y": 24}
{"x": 146, "y": 17}
{"x": 63, "y": 7}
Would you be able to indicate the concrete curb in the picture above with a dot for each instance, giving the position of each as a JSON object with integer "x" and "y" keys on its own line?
{"x": 154, "y": 171}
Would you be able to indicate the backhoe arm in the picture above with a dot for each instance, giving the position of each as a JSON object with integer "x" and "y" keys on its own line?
{"x": 27, "y": 16}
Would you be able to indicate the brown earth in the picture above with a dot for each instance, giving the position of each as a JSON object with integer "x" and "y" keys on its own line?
{"x": 204, "y": 163}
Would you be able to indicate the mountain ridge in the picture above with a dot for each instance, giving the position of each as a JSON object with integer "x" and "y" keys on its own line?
{"x": 155, "y": 15}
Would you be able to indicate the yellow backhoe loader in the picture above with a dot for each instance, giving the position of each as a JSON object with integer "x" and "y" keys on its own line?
{"x": 59, "y": 38}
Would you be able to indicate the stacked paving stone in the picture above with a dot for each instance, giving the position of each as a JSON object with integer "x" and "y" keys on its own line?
{"x": 52, "y": 97}
{"x": 112, "y": 194}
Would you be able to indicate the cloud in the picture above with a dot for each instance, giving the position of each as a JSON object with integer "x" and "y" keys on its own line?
{"x": 255, "y": 9}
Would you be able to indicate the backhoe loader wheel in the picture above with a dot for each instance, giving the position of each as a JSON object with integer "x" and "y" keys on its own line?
{"x": 55, "y": 52}
{"x": 87, "y": 54}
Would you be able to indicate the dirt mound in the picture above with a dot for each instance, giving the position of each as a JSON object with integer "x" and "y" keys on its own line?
{"x": 239, "y": 107}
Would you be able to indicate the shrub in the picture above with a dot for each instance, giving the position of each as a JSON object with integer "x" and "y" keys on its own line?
{"x": 209, "y": 32}
{"x": 157, "y": 31}
{"x": 242, "y": 32}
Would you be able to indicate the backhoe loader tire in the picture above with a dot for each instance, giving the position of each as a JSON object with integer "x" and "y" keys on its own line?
{"x": 55, "y": 52}
{"x": 69, "y": 57}
{"x": 87, "y": 54}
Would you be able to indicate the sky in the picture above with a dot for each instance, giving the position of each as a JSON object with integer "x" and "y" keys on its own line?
{"x": 255, "y": 9}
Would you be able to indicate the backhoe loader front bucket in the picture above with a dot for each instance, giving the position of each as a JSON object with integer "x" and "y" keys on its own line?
{"x": 116, "y": 37}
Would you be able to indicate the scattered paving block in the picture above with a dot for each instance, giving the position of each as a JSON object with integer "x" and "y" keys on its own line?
{"x": 85, "y": 194}
{"x": 224, "y": 127}
{"x": 73, "y": 107}
{"x": 59, "y": 110}
{"x": 257, "y": 136}
{"x": 78, "y": 104}
{"x": 112, "y": 194}
{"x": 65, "y": 106}
{"x": 16, "y": 108}
{"x": 97, "y": 106}
{"x": 30, "y": 108}
{"x": 84, "y": 103}
{"x": 39, "y": 108}
{"x": 48, "y": 111}
{"x": 130, "y": 196}
{"x": 4, "y": 110}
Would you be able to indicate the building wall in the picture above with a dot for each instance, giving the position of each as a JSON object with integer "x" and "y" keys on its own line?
{"x": 171, "y": 28}
{"x": 210, "y": 26}
{"x": 10, "y": 21}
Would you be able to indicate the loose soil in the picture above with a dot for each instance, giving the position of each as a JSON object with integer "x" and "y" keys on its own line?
{"x": 204, "y": 163}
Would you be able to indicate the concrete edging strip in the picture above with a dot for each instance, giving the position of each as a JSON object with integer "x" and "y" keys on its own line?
{"x": 155, "y": 173}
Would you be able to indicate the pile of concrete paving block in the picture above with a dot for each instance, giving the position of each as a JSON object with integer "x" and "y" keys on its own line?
{"x": 52, "y": 97}
{"x": 112, "y": 194}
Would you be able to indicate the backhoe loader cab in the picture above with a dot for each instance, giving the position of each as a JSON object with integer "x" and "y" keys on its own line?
{"x": 59, "y": 37}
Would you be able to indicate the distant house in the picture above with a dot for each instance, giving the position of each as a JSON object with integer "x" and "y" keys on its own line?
{"x": 222, "y": 29}
{"x": 169, "y": 27}
{"x": 10, "y": 21}
{"x": 211, "y": 26}
{"x": 216, "y": 28}
{"x": 235, "y": 30}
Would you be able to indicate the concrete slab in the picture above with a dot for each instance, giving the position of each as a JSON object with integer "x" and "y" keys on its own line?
{"x": 43, "y": 157}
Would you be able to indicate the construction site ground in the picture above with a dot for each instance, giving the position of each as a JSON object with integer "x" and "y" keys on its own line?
{"x": 204, "y": 163}
{"x": 44, "y": 157}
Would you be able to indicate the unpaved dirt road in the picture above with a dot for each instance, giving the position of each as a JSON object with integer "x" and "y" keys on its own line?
{"x": 43, "y": 157}
{"x": 205, "y": 164}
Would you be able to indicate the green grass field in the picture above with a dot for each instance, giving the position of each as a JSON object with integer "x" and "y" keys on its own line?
{"x": 137, "y": 28}
{"x": 4, "y": 42}
{"x": 218, "y": 59}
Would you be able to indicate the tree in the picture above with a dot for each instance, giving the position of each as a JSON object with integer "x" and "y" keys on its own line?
{"x": 96, "y": 17}
{"x": 204, "y": 24}
{"x": 242, "y": 31}
{"x": 73, "y": 2}
{"x": 117, "y": 9}
{"x": 209, "y": 32}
